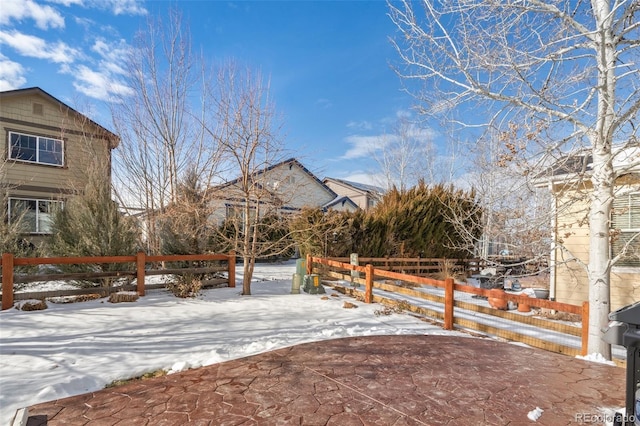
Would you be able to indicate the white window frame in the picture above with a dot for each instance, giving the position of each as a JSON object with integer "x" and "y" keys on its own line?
{"x": 627, "y": 207}
{"x": 39, "y": 140}
{"x": 236, "y": 214}
{"x": 38, "y": 219}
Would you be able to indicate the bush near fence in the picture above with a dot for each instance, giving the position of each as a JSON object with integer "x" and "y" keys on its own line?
{"x": 140, "y": 260}
{"x": 460, "y": 313}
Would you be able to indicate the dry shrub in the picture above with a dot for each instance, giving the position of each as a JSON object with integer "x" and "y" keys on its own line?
{"x": 75, "y": 299}
{"x": 384, "y": 311}
{"x": 150, "y": 375}
{"x": 32, "y": 305}
{"x": 87, "y": 297}
{"x": 448, "y": 269}
{"x": 349, "y": 305}
{"x": 397, "y": 308}
{"x": 558, "y": 315}
{"x": 123, "y": 297}
{"x": 404, "y": 284}
{"x": 187, "y": 285}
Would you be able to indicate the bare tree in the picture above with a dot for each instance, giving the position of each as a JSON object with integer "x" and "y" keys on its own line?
{"x": 160, "y": 123}
{"x": 405, "y": 155}
{"x": 244, "y": 124}
{"x": 567, "y": 69}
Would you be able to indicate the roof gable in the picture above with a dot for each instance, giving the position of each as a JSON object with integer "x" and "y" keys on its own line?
{"x": 287, "y": 183}
{"x": 291, "y": 162}
{"x": 114, "y": 139}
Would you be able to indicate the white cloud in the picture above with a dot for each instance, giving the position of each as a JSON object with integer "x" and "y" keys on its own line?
{"x": 98, "y": 85}
{"x": 44, "y": 16}
{"x": 36, "y": 47}
{"x": 112, "y": 54}
{"x": 374, "y": 179}
{"x": 127, "y": 7}
{"x": 67, "y": 2}
{"x": 11, "y": 74}
{"x": 117, "y": 7}
{"x": 324, "y": 103}
{"x": 360, "y": 125}
{"x": 364, "y": 146}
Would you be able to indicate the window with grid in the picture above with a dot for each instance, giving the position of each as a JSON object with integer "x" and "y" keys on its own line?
{"x": 625, "y": 218}
{"x": 235, "y": 214}
{"x": 34, "y": 215}
{"x": 36, "y": 149}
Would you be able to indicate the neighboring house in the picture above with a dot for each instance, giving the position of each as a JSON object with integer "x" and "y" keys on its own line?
{"x": 568, "y": 180}
{"x": 365, "y": 196}
{"x": 47, "y": 149}
{"x": 282, "y": 188}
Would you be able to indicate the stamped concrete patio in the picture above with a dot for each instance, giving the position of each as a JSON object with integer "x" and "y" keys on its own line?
{"x": 378, "y": 380}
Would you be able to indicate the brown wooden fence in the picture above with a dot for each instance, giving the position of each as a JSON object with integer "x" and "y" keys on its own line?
{"x": 333, "y": 269}
{"x": 9, "y": 262}
{"x": 421, "y": 266}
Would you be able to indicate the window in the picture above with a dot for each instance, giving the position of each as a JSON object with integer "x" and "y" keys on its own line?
{"x": 626, "y": 219}
{"x": 235, "y": 215}
{"x": 36, "y": 149}
{"x": 35, "y": 215}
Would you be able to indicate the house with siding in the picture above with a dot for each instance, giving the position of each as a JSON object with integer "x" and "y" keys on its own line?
{"x": 365, "y": 196}
{"x": 569, "y": 182}
{"x": 47, "y": 148}
{"x": 283, "y": 188}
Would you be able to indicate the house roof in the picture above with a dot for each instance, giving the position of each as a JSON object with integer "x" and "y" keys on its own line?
{"x": 376, "y": 190}
{"x": 340, "y": 200}
{"x": 114, "y": 139}
{"x": 578, "y": 165}
{"x": 291, "y": 162}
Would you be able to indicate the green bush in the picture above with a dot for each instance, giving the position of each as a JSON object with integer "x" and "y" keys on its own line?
{"x": 416, "y": 222}
{"x": 90, "y": 224}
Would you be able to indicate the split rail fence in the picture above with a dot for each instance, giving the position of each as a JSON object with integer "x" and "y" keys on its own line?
{"x": 456, "y": 310}
{"x": 421, "y": 266}
{"x": 140, "y": 260}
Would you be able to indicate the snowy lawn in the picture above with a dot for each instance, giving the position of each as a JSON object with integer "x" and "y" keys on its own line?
{"x": 74, "y": 348}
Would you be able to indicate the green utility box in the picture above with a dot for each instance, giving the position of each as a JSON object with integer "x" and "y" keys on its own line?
{"x": 312, "y": 284}
{"x": 301, "y": 267}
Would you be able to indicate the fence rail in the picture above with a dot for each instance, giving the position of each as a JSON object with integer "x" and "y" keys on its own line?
{"x": 429, "y": 266}
{"x": 444, "y": 305}
{"x": 9, "y": 262}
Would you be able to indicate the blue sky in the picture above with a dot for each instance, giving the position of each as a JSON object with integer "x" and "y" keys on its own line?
{"x": 328, "y": 61}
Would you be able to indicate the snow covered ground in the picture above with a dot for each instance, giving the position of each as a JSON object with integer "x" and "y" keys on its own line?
{"x": 74, "y": 348}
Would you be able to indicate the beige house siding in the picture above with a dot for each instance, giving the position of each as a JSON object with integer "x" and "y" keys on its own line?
{"x": 86, "y": 146}
{"x": 571, "y": 281}
{"x": 287, "y": 187}
{"x": 363, "y": 199}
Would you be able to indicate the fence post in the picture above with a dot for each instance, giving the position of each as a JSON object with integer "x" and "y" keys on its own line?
{"x": 353, "y": 259}
{"x": 231, "y": 264}
{"x": 7, "y": 281}
{"x": 448, "y": 304}
{"x": 368, "y": 290}
{"x": 585, "y": 328}
{"x": 309, "y": 264}
{"x": 140, "y": 265}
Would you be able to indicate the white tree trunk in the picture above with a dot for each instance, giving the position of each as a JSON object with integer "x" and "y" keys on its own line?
{"x": 599, "y": 255}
